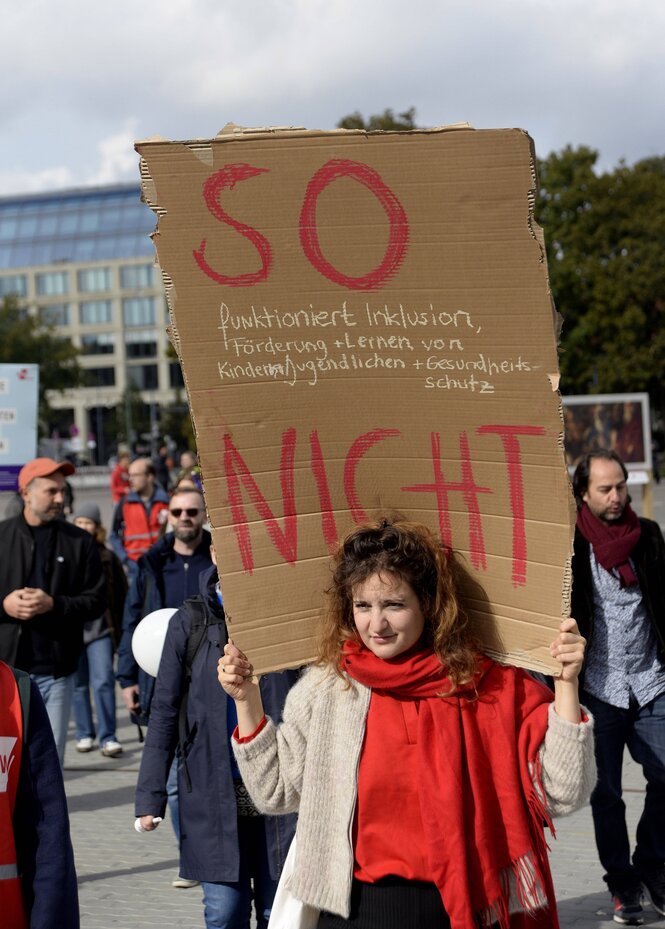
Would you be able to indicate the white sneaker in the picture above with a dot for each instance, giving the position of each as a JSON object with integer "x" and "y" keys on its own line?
{"x": 184, "y": 883}
{"x": 85, "y": 745}
{"x": 111, "y": 748}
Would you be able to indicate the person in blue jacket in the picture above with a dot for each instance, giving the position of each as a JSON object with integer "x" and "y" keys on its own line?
{"x": 236, "y": 853}
{"x": 166, "y": 576}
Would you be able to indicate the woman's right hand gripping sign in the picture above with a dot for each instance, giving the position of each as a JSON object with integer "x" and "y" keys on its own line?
{"x": 236, "y": 675}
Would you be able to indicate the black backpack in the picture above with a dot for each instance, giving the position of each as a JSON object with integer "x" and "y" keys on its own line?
{"x": 200, "y": 625}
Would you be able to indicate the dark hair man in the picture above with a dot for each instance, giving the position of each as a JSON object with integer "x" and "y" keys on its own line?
{"x": 618, "y": 600}
{"x": 167, "y": 575}
{"x": 51, "y": 582}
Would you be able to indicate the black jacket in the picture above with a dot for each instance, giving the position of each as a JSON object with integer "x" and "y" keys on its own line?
{"x": 648, "y": 556}
{"x": 76, "y": 583}
{"x": 208, "y": 819}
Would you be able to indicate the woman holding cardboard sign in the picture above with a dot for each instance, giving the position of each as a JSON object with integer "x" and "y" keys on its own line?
{"x": 422, "y": 771}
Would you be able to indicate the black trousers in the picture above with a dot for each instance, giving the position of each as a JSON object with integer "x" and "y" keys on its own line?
{"x": 392, "y": 903}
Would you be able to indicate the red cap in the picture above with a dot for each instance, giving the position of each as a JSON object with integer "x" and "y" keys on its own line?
{"x": 42, "y": 467}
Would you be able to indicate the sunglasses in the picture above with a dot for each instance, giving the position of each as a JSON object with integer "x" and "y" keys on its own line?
{"x": 177, "y": 511}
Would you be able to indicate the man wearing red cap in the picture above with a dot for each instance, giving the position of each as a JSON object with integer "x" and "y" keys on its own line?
{"x": 51, "y": 581}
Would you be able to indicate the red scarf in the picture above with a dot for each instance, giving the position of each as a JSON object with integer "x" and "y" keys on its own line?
{"x": 478, "y": 755}
{"x": 612, "y": 542}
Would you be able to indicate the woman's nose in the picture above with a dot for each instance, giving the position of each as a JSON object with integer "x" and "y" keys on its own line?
{"x": 378, "y": 620}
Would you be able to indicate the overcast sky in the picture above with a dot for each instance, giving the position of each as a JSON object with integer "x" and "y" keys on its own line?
{"x": 82, "y": 80}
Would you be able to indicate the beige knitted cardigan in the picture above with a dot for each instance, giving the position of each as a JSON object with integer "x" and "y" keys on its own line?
{"x": 309, "y": 764}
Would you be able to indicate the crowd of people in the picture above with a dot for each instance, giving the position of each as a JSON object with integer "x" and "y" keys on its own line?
{"x": 416, "y": 774}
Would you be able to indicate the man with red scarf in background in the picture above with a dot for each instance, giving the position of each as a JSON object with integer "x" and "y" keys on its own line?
{"x": 618, "y": 600}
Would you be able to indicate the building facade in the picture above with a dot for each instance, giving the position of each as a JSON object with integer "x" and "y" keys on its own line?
{"x": 83, "y": 261}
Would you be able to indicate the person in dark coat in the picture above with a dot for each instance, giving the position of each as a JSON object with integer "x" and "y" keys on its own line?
{"x": 618, "y": 599}
{"x": 226, "y": 853}
{"x": 167, "y": 575}
{"x": 41, "y": 828}
{"x": 51, "y": 582}
{"x": 101, "y": 636}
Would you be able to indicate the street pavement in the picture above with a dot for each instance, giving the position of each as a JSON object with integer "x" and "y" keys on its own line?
{"x": 125, "y": 878}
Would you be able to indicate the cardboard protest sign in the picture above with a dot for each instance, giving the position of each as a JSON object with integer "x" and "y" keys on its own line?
{"x": 365, "y": 326}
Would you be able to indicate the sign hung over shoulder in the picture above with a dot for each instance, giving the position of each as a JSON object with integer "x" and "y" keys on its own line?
{"x": 365, "y": 326}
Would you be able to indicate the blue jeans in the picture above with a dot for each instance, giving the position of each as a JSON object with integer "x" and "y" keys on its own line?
{"x": 642, "y": 729}
{"x": 95, "y": 670}
{"x": 228, "y": 906}
{"x": 172, "y": 799}
{"x": 132, "y": 569}
{"x": 57, "y": 694}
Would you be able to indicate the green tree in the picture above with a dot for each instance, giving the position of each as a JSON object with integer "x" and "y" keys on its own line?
{"x": 27, "y": 339}
{"x": 605, "y": 235}
{"x": 387, "y": 121}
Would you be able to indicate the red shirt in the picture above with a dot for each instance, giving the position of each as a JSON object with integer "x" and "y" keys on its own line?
{"x": 388, "y": 835}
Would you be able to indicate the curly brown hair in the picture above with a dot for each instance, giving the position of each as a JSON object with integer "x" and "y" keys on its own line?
{"x": 411, "y": 552}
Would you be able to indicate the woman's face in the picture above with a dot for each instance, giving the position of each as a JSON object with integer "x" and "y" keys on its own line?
{"x": 387, "y": 615}
{"x": 88, "y": 524}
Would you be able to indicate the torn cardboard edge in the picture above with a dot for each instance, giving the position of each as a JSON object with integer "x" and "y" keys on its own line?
{"x": 234, "y": 131}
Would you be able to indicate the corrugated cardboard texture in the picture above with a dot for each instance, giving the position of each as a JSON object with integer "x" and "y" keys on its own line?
{"x": 365, "y": 325}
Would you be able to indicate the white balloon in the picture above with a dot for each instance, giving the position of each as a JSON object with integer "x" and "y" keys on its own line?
{"x": 148, "y": 639}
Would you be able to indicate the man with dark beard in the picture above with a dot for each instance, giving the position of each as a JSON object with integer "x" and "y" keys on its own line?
{"x": 618, "y": 600}
{"x": 167, "y": 575}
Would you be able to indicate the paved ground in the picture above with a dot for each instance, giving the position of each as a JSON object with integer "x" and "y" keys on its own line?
{"x": 125, "y": 878}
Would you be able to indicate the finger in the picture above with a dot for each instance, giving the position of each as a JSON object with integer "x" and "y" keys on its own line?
{"x": 565, "y": 656}
{"x": 235, "y": 662}
{"x": 232, "y": 674}
{"x": 226, "y": 672}
{"x": 232, "y": 651}
{"x": 569, "y": 625}
{"x": 563, "y": 649}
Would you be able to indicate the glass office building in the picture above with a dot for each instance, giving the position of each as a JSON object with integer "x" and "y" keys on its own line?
{"x": 83, "y": 261}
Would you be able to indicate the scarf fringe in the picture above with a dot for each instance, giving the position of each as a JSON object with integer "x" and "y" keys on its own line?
{"x": 537, "y": 804}
{"x": 522, "y": 890}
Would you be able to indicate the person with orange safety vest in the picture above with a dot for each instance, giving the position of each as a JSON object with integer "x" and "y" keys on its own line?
{"x": 38, "y": 887}
{"x": 140, "y": 516}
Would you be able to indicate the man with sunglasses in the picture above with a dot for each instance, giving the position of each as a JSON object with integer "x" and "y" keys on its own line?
{"x": 167, "y": 575}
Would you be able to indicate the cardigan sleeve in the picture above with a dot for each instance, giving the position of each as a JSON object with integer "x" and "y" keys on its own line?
{"x": 273, "y": 762}
{"x": 568, "y": 763}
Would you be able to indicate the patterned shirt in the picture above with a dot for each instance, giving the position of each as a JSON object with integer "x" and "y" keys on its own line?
{"x": 622, "y": 661}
